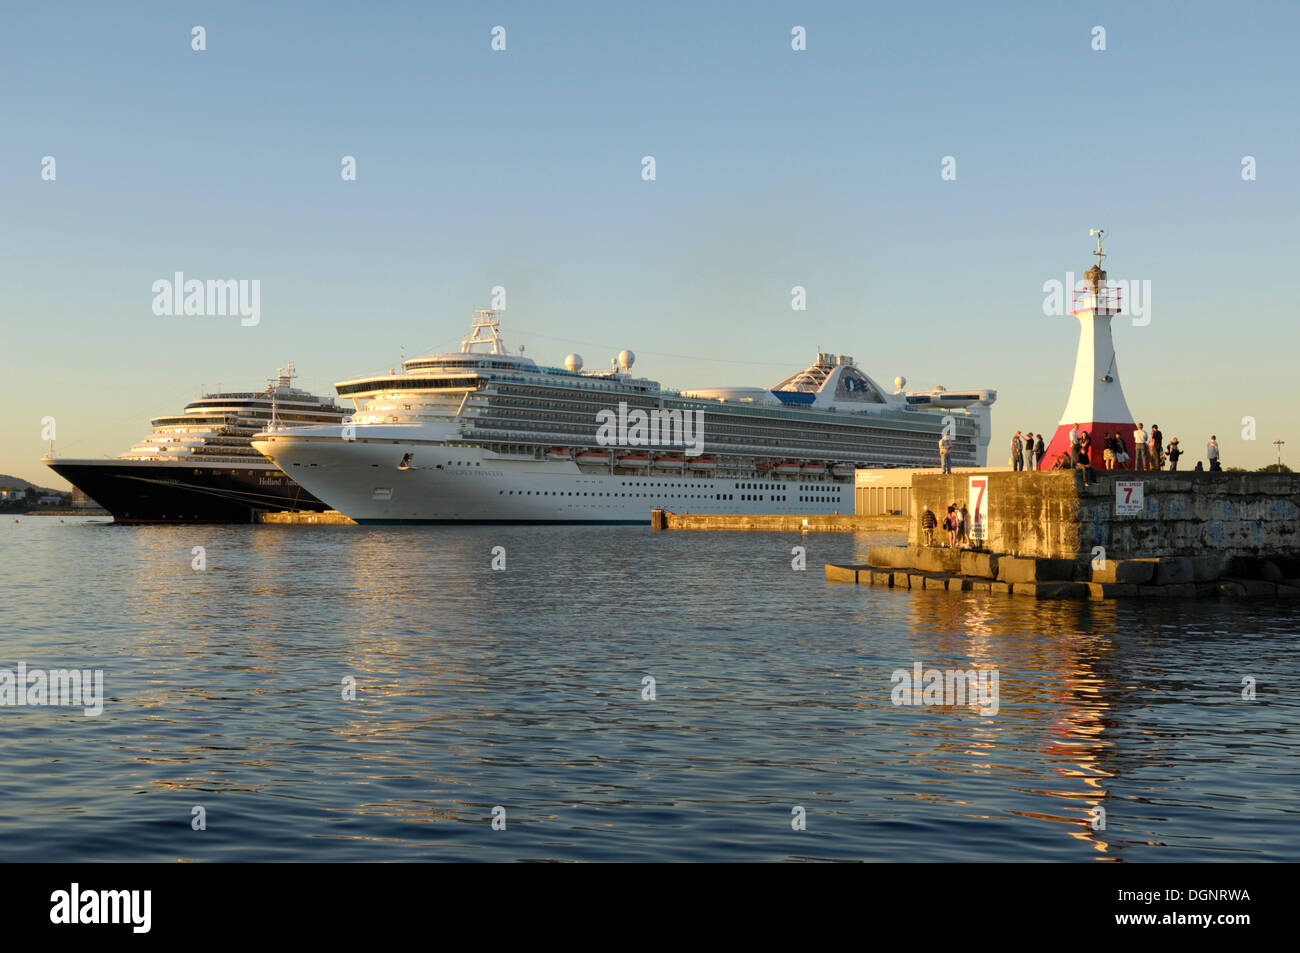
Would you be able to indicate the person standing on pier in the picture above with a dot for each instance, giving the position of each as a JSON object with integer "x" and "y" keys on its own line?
{"x": 1074, "y": 445}
{"x": 951, "y": 524}
{"x": 1173, "y": 454}
{"x": 1029, "y": 447}
{"x": 1139, "y": 448}
{"x": 928, "y": 522}
{"x": 945, "y": 445}
{"x": 1212, "y": 452}
{"x": 1157, "y": 448}
{"x": 1017, "y": 453}
{"x": 1040, "y": 451}
{"x": 1108, "y": 453}
{"x": 1085, "y": 449}
{"x": 965, "y": 524}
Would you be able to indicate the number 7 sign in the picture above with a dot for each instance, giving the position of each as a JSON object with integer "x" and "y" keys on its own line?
{"x": 1129, "y": 499}
{"x": 978, "y": 506}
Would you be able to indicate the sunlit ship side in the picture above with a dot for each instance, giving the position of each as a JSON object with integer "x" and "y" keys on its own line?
{"x": 483, "y": 435}
{"x": 199, "y": 466}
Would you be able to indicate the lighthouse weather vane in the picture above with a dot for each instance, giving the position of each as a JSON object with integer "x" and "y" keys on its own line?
{"x": 1099, "y": 253}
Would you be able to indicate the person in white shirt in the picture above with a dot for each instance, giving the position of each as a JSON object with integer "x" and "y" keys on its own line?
{"x": 1139, "y": 448}
{"x": 1074, "y": 445}
{"x": 945, "y": 445}
{"x": 1212, "y": 451}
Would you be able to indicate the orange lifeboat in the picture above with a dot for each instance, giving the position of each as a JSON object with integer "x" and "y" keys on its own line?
{"x": 788, "y": 467}
{"x": 593, "y": 458}
{"x": 669, "y": 463}
{"x": 703, "y": 463}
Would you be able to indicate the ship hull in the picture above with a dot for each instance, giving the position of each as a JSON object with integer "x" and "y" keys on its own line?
{"x": 366, "y": 481}
{"x": 159, "y": 492}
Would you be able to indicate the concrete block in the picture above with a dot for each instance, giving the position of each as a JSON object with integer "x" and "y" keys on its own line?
{"x": 1245, "y": 567}
{"x": 1134, "y": 571}
{"x": 915, "y": 580}
{"x": 841, "y": 573}
{"x": 959, "y": 583}
{"x": 1003, "y": 588}
{"x": 934, "y": 559}
{"x": 1230, "y": 589}
{"x": 1257, "y": 588}
{"x": 980, "y": 585}
{"x": 1288, "y": 592}
{"x": 879, "y": 578}
{"x": 1051, "y": 590}
{"x": 1209, "y": 568}
{"x": 934, "y": 582}
{"x": 1173, "y": 570}
{"x": 1111, "y": 590}
{"x": 979, "y": 564}
{"x": 1178, "y": 590}
{"x": 892, "y": 557}
{"x": 1271, "y": 572}
{"x": 1017, "y": 569}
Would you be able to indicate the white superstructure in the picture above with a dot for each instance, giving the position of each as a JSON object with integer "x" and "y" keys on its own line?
{"x": 483, "y": 435}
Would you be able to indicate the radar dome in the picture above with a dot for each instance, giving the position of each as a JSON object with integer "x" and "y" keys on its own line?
{"x": 900, "y": 382}
{"x": 626, "y": 359}
{"x": 573, "y": 363}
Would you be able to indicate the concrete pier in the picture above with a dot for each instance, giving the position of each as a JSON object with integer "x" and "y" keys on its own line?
{"x": 1055, "y": 514}
{"x": 1051, "y": 535}
{"x": 1168, "y": 577}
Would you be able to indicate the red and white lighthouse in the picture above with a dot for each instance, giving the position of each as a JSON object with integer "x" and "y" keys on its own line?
{"x": 1096, "y": 402}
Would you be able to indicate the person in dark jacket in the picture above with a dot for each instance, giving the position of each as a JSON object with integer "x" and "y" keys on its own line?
{"x": 1173, "y": 453}
{"x": 1040, "y": 451}
{"x": 928, "y": 522}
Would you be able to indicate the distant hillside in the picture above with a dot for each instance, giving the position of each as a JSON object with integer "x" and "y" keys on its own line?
{"x": 8, "y": 482}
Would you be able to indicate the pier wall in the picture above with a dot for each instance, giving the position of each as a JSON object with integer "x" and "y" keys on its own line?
{"x": 1055, "y": 515}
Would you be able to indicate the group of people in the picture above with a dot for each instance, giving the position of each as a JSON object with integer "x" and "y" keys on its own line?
{"x": 956, "y": 524}
{"x": 1027, "y": 446}
{"x": 1149, "y": 451}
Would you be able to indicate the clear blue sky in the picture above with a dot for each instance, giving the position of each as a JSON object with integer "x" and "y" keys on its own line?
{"x": 522, "y": 168}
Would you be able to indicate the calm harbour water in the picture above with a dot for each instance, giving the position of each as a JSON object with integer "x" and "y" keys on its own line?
{"x": 523, "y": 689}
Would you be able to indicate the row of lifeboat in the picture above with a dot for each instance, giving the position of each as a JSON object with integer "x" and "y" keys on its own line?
{"x": 641, "y": 460}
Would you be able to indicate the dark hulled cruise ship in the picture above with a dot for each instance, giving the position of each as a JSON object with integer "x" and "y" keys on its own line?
{"x": 199, "y": 466}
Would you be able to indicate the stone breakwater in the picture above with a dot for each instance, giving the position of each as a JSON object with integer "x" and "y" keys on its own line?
{"x": 1216, "y": 575}
{"x": 1055, "y": 514}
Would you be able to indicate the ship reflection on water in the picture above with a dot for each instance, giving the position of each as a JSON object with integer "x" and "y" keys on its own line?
{"x": 524, "y": 688}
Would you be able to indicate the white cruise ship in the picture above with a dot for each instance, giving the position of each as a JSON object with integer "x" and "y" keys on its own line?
{"x": 484, "y": 435}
